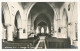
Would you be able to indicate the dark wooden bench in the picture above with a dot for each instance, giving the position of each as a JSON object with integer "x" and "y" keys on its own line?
{"x": 17, "y": 45}
{"x": 52, "y": 42}
{"x": 28, "y": 43}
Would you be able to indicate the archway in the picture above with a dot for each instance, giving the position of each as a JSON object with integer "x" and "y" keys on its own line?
{"x": 6, "y": 22}
{"x": 42, "y": 21}
{"x": 18, "y": 25}
{"x": 4, "y": 28}
{"x": 37, "y": 10}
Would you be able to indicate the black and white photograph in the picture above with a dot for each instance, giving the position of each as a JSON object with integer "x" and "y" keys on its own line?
{"x": 39, "y": 25}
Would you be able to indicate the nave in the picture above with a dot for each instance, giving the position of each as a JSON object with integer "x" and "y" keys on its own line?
{"x": 39, "y": 25}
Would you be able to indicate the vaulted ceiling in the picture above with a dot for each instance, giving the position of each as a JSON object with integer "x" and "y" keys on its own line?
{"x": 25, "y": 4}
{"x": 41, "y": 13}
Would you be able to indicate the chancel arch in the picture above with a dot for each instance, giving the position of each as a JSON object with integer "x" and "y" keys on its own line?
{"x": 42, "y": 21}
{"x": 38, "y": 12}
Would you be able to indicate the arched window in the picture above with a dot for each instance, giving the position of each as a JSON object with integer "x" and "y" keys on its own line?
{"x": 37, "y": 30}
{"x": 47, "y": 30}
{"x": 42, "y": 30}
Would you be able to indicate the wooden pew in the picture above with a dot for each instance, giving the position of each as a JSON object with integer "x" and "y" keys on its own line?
{"x": 28, "y": 43}
{"x": 52, "y": 42}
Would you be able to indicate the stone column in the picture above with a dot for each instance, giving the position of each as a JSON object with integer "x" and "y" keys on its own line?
{"x": 29, "y": 29}
{"x": 40, "y": 29}
{"x": 20, "y": 33}
{"x": 45, "y": 28}
{"x": 64, "y": 32}
{"x": 9, "y": 33}
{"x": 3, "y": 34}
{"x": 26, "y": 33}
{"x": 55, "y": 28}
{"x": 52, "y": 31}
{"x": 32, "y": 30}
{"x": 56, "y": 23}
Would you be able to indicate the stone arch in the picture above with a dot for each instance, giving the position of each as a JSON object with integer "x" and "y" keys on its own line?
{"x": 53, "y": 8}
{"x": 18, "y": 21}
{"x": 34, "y": 4}
{"x": 18, "y": 25}
{"x": 30, "y": 8}
{"x": 6, "y": 20}
{"x": 42, "y": 19}
{"x": 6, "y": 13}
{"x": 65, "y": 22}
{"x": 65, "y": 17}
{"x": 44, "y": 14}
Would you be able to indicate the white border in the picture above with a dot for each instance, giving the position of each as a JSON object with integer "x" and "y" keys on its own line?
{"x": 38, "y": 0}
{"x": 42, "y": 49}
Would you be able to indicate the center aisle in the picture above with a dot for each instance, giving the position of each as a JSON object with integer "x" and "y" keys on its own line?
{"x": 41, "y": 43}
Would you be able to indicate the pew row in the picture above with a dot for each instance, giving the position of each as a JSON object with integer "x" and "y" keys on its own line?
{"x": 19, "y": 43}
{"x": 52, "y": 42}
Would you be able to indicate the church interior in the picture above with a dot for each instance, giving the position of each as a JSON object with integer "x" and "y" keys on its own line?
{"x": 39, "y": 25}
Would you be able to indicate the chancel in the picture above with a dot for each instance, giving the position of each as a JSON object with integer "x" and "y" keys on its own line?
{"x": 39, "y": 25}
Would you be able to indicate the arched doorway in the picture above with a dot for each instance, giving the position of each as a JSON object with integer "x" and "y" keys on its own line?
{"x": 18, "y": 25}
